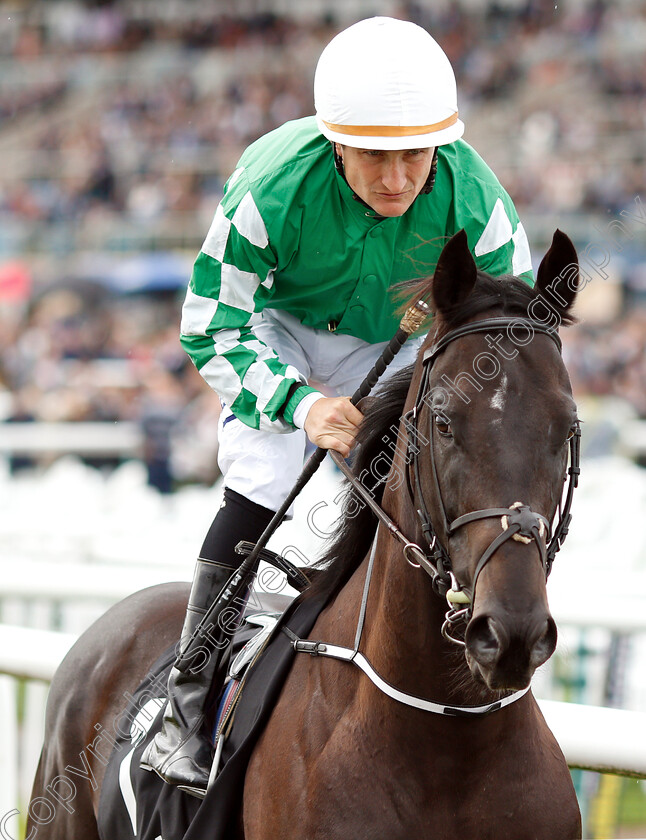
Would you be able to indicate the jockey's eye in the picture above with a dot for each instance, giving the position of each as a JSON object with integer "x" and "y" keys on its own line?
{"x": 442, "y": 425}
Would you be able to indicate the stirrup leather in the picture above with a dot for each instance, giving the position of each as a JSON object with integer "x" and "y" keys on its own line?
{"x": 295, "y": 576}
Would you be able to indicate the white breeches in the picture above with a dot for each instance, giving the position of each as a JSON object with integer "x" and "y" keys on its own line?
{"x": 263, "y": 466}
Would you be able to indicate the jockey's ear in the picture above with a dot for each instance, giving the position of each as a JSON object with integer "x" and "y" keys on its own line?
{"x": 455, "y": 274}
{"x": 558, "y": 273}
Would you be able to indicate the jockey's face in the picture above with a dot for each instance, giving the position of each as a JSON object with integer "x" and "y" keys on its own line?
{"x": 388, "y": 181}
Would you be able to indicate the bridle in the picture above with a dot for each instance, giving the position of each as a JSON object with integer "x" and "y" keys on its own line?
{"x": 518, "y": 522}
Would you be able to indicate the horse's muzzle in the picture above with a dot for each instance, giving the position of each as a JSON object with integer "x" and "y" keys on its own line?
{"x": 504, "y": 652}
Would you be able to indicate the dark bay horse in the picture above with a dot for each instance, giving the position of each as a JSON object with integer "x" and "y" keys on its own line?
{"x": 435, "y": 734}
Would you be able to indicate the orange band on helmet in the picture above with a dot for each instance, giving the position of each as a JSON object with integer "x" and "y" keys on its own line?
{"x": 391, "y": 130}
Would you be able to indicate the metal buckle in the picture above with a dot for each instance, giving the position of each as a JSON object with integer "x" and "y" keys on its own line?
{"x": 412, "y": 549}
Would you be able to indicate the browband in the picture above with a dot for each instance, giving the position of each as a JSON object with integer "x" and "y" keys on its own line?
{"x": 484, "y": 326}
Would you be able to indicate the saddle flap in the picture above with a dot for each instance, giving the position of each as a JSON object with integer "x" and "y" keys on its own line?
{"x": 266, "y": 621}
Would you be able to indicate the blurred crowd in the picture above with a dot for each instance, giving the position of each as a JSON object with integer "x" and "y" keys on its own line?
{"x": 144, "y": 115}
{"x": 120, "y": 122}
{"x": 609, "y": 360}
{"x": 83, "y": 354}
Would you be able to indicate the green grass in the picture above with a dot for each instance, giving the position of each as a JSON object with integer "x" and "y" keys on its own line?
{"x": 632, "y": 806}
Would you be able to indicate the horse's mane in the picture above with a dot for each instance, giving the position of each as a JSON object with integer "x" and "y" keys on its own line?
{"x": 350, "y": 542}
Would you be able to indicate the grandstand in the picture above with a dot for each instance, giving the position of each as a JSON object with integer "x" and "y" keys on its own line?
{"x": 120, "y": 122}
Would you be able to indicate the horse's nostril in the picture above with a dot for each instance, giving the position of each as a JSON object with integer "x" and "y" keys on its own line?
{"x": 483, "y": 641}
{"x": 546, "y": 644}
{"x": 507, "y": 656}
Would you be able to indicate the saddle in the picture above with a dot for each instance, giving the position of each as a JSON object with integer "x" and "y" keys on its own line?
{"x": 263, "y": 611}
{"x": 138, "y": 805}
{"x": 259, "y": 622}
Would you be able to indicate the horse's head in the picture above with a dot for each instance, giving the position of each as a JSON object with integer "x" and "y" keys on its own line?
{"x": 489, "y": 437}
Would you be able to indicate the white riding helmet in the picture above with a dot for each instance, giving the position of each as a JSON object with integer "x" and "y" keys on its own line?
{"x": 386, "y": 84}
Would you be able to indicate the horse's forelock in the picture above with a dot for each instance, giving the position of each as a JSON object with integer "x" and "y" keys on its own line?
{"x": 506, "y": 295}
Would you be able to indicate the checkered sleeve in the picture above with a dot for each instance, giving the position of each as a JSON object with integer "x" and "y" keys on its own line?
{"x": 502, "y": 246}
{"x": 231, "y": 283}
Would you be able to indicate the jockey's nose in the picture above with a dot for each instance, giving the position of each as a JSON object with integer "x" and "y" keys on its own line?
{"x": 393, "y": 175}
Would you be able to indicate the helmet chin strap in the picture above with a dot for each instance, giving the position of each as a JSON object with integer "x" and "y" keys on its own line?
{"x": 426, "y": 189}
{"x": 338, "y": 162}
{"x": 430, "y": 181}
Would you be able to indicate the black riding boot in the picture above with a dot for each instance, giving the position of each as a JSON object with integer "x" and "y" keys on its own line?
{"x": 182, "y": 752}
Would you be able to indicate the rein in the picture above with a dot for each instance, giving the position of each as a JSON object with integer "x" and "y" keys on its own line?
{"x": 235, "y": 587}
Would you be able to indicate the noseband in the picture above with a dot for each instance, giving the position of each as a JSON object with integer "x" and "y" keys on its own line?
{"x": 518, "y": 522}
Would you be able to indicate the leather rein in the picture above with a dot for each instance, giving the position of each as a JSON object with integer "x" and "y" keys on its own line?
{"x": 518, "y": 522}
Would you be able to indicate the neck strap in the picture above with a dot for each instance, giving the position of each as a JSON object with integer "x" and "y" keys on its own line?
{"x": 358, "y": 659}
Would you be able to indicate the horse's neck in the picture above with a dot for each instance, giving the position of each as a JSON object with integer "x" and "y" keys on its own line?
{"x": 402, "y": 635}
{"x": 401, "y": 639}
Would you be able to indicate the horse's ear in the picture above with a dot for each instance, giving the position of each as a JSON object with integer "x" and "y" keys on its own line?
{"x": 455, "y": 274}
{"x": 558, "y": 273}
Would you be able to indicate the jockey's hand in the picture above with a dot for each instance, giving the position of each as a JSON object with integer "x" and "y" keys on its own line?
{"x": 332, "y": 423}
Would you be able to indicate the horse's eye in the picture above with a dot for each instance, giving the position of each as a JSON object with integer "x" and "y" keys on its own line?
{"x": 442, "y": 425}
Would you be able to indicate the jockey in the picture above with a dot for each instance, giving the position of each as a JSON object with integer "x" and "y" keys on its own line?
{"x": 319, "y": 220}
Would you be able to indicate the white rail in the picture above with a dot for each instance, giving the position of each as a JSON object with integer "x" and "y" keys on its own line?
{"x": 99, "y": 582}
{"x": 32, "y": 654}
{"x": 598, "y": 738}
{"x": 591, "y": 737}
{"x": 122, "y": 439}
{"x": 107, "y": 583}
